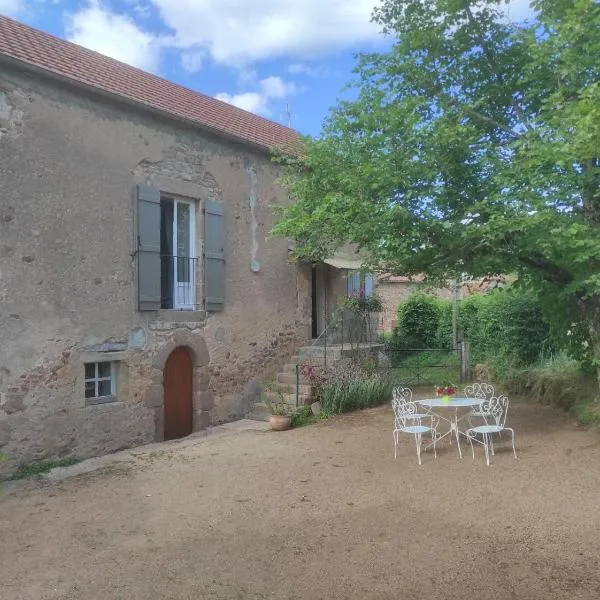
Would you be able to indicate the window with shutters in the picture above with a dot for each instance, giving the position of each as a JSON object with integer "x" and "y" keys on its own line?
{"x": 214, "y": 256}
{"x": 178, "y": 260}
{"x": 358, "y": 282}
{"x": 168, "y": 266}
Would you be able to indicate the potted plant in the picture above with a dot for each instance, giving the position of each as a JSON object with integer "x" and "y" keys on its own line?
{"x": 281, "y": 418}
{"x": 445, "y": 391}
{"x": 360, "y": 302}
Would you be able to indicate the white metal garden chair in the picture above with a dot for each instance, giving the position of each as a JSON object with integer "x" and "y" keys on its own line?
{"x": 496, "y": 410}
{"x": 403, "y": 397}
{"x": 408, "y": 419}
{"x": 485, "y": 391}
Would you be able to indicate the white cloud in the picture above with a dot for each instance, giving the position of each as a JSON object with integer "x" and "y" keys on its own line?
{"x": 247, "y": 77}
{"x": 250, "y": 101}
{"x": 234, "y": 32}
{"x": 115, "y": 35}
{"x": 275, "y": 87}
{"x": 241, "y": 31}
{"x": 299, "y": 69}
{"x": 192, "y": 60}
{"x": 270, "y": 88}
{"x": 139, "y": 8}
{"x": 309, "y": 71}
{"x": 11, "y": 8}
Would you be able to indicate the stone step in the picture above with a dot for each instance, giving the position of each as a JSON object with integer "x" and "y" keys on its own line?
{"x": 290, "y": 368}
{"x": 318, "y": 351}
{"x": 259, "y": 412}
{"x": 290, "y": 377}
{"x": 290, "y": 388}
{"x": 313, "y": 360}
{"x": 290, "y": 399}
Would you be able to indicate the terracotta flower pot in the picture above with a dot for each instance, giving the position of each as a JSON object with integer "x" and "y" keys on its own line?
{"x": 280, "y": 423}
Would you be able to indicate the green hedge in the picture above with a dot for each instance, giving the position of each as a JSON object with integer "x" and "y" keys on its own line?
{"x": 443, "y": 338}
{"x": 418, "y": 322}
{"x": 505, "y": 328}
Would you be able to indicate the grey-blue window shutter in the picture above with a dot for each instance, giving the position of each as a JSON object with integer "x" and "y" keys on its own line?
{"x": 353, "y": 282}
{"x": 148, "y": 248}
{"x": 214, "y": 256}
{"x": 368, "y": 285}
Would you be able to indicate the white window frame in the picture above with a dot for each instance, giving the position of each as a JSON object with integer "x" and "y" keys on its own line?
{"x": 97, "y": 399}
{"x": 187, "y": 288}
{"x": 357, "y": 280}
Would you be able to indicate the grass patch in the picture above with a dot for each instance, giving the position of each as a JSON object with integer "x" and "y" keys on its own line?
{"x": 303, "y": 416}
{"x": 41, "y": 468}
{"x": 559, "y": 381}
{"x": 428, "y": 367}
{"x": 588, "y": 414}
{"x": 556, "y": 380}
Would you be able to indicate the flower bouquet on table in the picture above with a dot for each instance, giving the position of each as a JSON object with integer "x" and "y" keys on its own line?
{"x": 445, "y": 391}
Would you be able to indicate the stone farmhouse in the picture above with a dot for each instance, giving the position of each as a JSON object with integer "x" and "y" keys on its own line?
{"x": 141, "y": 297}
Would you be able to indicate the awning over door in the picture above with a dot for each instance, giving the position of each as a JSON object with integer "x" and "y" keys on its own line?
{"x": 346, "y": 258}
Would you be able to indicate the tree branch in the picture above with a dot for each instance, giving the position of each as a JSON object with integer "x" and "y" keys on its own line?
{"x": 477, "y": 115}
{"x": 553, "y": 273}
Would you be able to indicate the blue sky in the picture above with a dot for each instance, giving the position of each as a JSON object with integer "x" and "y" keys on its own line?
{"x": 260, "y": 55}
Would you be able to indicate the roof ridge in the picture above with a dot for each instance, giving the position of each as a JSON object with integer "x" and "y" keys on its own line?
{"x": 47, "y": 52}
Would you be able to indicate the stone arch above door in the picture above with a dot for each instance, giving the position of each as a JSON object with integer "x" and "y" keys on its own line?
{"x": 183, "y": 337}
{"x": 203, "y": 398}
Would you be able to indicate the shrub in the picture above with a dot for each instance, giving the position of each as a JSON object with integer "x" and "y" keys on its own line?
{"x": 358, "y": 301}
{"x": 302, "y": 416}
{"x": 418, "y": 322}
{"x": 556, "y": 380}
{"x": 588, "y": 414}
{"x": 505, "y": 329}
{"x": 277, "y": 407}
{"x": 356, "y": 392}
{"x": 443, "y": 337}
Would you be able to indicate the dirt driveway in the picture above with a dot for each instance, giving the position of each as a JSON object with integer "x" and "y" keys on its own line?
{"x": 322, "y": 512}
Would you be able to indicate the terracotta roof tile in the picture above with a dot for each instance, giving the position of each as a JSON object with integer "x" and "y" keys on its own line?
{"x": 92, "y": 69}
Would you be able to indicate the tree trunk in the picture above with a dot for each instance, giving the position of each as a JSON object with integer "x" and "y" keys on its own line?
{"x": 591, "y": 309}
{"x": 591, "y": 211}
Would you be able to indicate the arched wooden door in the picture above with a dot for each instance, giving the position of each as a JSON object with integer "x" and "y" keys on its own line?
{"x": 177, "y": 382}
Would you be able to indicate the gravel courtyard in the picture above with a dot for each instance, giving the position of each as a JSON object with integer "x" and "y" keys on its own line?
{"x": 322, "y": 512}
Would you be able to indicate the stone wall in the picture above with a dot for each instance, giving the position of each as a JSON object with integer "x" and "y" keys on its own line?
{"x": 69, "y": 163}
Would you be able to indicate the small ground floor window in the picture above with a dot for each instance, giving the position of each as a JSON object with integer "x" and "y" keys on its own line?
{"x": 100, "y": 382}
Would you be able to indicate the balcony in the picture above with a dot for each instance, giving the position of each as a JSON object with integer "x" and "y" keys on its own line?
{"x": 178, "y": 277}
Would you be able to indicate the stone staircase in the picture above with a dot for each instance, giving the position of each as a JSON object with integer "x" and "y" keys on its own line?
{"x": 284, "y": 386}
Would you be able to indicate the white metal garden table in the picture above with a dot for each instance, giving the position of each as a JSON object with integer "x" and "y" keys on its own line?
{"x": 455, "y": 418}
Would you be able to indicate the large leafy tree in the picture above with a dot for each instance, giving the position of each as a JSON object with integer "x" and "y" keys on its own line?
{"x": 473, "y": 147}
